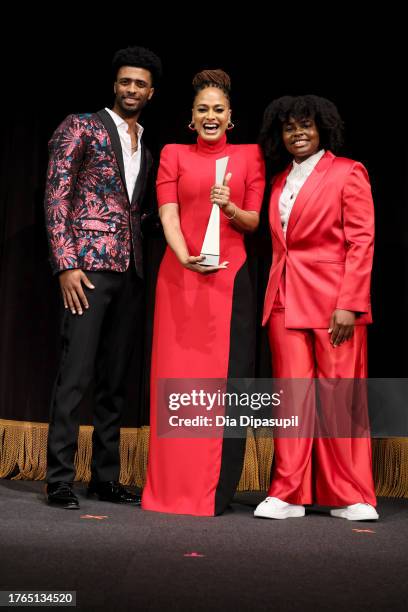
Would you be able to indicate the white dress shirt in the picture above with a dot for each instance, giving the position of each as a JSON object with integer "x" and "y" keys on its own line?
{"x": 131, "y": 161}
{"x": 294, "y": 182}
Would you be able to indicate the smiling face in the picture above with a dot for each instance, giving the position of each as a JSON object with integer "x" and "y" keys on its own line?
{"x": 301, "y": 137}
{"x": 133, "y": 88}
{"x": 211, "y": 113}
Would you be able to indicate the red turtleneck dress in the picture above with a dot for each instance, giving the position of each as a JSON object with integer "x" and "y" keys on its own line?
{"x": 203, "y": 325}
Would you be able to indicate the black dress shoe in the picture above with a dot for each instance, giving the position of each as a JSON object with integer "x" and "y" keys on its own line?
{"x": 113, "y": 492}
{"x": 61, "y": 494}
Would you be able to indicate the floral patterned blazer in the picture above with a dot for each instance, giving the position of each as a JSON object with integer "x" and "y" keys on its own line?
{"x": 91, "y": 222}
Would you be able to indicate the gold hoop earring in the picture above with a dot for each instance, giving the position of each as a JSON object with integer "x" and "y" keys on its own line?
{"x": 191, "y": 126}
{"x": 230, "y": 125}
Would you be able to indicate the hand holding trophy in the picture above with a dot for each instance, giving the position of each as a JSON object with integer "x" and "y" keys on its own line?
{"x": 210, "y": 250}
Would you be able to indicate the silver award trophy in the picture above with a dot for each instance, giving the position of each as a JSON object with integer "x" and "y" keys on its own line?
{"x": 211, "y": 244}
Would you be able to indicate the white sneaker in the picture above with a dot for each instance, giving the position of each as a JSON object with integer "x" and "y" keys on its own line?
{"x": 356, "y": 512}
{"x": 275, "y": 508}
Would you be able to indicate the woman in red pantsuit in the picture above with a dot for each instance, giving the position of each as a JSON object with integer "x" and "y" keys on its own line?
{"x": 203, "y": 326}
{"x": 317, "y": 302}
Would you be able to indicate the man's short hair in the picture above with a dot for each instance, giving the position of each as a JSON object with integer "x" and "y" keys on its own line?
{"x": 139, "y": 57}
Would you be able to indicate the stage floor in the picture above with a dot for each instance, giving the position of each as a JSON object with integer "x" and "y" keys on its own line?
{"x": 122, "y": 558}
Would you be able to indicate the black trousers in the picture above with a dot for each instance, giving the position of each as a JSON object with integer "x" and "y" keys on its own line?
{"x": 97, "y": 346}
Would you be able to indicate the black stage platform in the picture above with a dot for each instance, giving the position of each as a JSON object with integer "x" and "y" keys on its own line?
{"x": 129, "y": 559}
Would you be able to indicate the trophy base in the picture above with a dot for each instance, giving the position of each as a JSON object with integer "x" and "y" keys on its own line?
{"x": 210, "y": 260}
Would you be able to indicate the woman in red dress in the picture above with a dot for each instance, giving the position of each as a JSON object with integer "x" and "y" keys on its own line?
{"x": 203, "y": 324}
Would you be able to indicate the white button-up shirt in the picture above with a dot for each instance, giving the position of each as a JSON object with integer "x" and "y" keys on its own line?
{"x": 131, "y": 161}
{"x": 294, "y": 182}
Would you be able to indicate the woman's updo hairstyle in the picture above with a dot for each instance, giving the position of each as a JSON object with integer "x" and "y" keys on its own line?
{"x": 212, "y": 78}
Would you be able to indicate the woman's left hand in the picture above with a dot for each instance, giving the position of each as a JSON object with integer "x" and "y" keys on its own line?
{"x": 220, "y": 194}
{"x": 341, "y": 326}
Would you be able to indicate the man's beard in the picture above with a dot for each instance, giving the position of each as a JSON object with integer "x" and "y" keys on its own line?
{"x": 130, "y": 112}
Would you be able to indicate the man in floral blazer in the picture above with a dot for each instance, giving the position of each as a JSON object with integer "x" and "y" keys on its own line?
{"x": 99, "y": 178}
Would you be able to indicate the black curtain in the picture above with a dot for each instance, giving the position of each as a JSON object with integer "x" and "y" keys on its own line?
{"x": 53, "y": 79}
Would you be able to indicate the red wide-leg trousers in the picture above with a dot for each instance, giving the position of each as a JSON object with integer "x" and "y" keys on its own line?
{"x": 325, "y": 471}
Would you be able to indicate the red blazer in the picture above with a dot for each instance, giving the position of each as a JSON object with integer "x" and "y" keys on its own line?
{"x": 328, "y": 251}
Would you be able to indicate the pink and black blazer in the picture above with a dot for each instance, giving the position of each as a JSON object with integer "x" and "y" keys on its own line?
{"x": 91, "y": 222}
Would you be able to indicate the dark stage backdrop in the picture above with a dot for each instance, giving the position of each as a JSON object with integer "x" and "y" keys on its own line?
{"x": 55, "y": 79}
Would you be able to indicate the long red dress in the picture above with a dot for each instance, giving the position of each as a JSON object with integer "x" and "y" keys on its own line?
{"x": 203, "y": 325}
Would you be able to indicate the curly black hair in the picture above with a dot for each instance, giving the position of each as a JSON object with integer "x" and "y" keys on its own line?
{"x": 324, "y": 113}
{"x": 139, "y": 57}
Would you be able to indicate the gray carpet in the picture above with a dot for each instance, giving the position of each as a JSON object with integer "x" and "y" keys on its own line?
{"x": 136, "y": 560}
